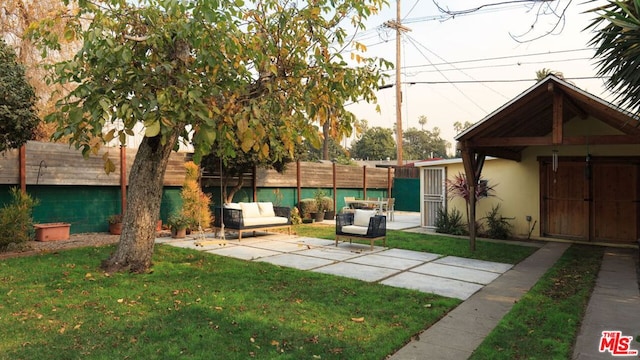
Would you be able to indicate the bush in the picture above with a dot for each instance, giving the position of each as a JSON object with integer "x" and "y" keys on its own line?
{"x": 499, "y": 226}
{"x": 307, "y": 206}
{"x": 16, "y": 221}
{"x": 327, "y": 203}
{"x": 450, "y": 223}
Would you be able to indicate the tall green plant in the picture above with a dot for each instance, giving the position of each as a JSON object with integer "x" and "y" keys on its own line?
{"x": 16, "y": 221}
{"x": 498, "y": 226}
{"x": 458, "y": 187}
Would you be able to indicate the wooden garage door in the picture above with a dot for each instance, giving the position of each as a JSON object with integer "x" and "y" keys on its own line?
{"x": 596, "y": 204}
{"x": 565, "y": 209}
{"x": 615, "y": 202}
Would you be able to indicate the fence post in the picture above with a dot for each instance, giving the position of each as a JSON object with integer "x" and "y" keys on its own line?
{"x": 298, "y": 180}
{"x": 335, "y": 187}
{"x": 22, "y": 163}
{"x": 364, "y": 181}
{"x": 389, "y": 185}
{"x": 123, "y": 179}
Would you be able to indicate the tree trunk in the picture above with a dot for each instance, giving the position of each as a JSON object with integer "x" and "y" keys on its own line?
{"x": 135, "y": 248}
{"x": 325, "y": 141}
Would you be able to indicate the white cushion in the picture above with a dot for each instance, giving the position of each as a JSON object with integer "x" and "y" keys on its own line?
{"x": 361, "y": 217}
{"x": 232, "y": 206}
{"x": 354, "y": 229}
{"x": 266, "y": 209}
{"x": 265, "y": 221}
{"x": 250, "y": 210}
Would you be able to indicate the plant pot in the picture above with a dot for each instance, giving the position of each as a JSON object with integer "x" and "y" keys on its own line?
{"x": 317, "y": 216}
{"x": 329, "y": 215}
{"x": 159, "y": 226}
{"x": 178, "y": 233}
{"x": 115, "y": 228}
{"x": 52, "y": 231}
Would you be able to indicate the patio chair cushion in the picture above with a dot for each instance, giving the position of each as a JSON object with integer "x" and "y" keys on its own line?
{"x": 361, "y": 217}
{"x": 355, "y": 229}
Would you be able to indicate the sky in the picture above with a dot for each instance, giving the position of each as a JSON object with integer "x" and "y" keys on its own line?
{"x": 466, "y": 66}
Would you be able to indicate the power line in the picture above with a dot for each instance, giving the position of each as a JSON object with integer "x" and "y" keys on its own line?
{"x": 449, "y": 82}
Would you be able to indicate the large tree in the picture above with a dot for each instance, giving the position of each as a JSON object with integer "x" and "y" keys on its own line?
{"x": 617, "y": 36}
{"x": 376, "y": 143}
{"x": 423, "y": 144}
{"x": 238, "y": 80}
{"x": 18, "y": 119}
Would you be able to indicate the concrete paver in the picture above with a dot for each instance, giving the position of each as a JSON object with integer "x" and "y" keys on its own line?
{"x": 433, "y": 284}
{"x": 356, "y": 271}
{"x": 296, "y": 261}
{"x": 614, "y": 306}
{"x": 457, "y": 273}
{"x": 481, "y": 312}
{"x": 382, "y": 260}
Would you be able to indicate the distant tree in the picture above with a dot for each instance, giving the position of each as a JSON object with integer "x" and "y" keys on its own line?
{"x": 375, "y": 144}
{"x": 617, "y": 34}
{"x": 310, "y": 153}
{"x": 459, "y": 127}
{"x": 15, "y": 18}
{"x": 422, "y": 120}
{"x": 18, "y": 119}
{"x": 544, "y": 72}
{"x": 423, "y": 144}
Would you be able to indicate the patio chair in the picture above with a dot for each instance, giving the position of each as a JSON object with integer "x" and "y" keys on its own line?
{"x": 389, "y": 208}
{"x": 361, "y": 224}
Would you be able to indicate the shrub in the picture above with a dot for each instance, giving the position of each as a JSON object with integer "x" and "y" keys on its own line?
{"x": 16, "y": 221}
{"x": 327, "y": 203}
{"x": 295, "y": 216}
{"x": 499, "y": 226}
{"x": 307, "y": 206}
{"x": 450, "y": 223}
{"x": 195, "y": 203}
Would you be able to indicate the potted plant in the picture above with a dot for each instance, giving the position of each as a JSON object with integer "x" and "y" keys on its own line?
{"x": 115, "y": 224}
{"x": 318, "y": 215}
{"x": 329, "y": 210}
{"x": 178, "y": 223}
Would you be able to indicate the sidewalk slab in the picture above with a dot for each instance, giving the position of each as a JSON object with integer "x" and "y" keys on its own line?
{"x": 243, "y": 252}
{"x": 409, "y": 254}
{"x": 481, "y": 312}
{"x": 356, "y": 271}
{"x": 614, "y": 306}
{"x": 382, "y": 260}
{"x": 433, "y": 284}
{"x": 296, "y": 261}
{"x": 457, "y": 273}
{"x": 475, "y": 264}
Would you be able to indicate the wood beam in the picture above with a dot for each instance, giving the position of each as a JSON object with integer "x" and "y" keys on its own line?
{"x": 558, "y": 109}
{"x": 546, "y": 140}
{"x": 470, "y": 167}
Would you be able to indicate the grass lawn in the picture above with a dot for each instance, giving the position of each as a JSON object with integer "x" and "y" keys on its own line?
{"x": 546, "y": 321}
{"x": 196, "y": 305}
{"x": 200, "y": 306}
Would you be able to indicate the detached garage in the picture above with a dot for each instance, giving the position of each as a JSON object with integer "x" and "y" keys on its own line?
{"x": 564, "y": 163}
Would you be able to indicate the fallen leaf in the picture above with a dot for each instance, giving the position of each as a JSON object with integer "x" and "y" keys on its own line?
{"x": 120, "y": 301}
{"x": 358, "y": 320}
{"x": 275, "y": 342}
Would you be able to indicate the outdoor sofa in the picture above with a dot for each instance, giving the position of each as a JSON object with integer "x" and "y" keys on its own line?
{"x": 252, "y": 216}
{"x": 361, "y": 224}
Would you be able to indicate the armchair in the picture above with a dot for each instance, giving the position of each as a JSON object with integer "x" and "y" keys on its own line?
{"x": 361, "y": 224}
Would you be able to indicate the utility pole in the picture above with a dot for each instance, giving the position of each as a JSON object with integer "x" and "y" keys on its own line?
{"x": 397, "y": 25}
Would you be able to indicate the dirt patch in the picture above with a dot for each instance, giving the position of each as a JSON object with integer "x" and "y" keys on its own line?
{"x": 76, "y": 240}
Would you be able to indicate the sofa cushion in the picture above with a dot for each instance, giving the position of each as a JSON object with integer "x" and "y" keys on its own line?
{"x": 361, "y": 217}
{"x": 250, "y": 210}
{"x": 266, "y": 209}
{"x": 235, "y": 206}
{"x": 266, "y": 220}
{"x": 355, "y": 229}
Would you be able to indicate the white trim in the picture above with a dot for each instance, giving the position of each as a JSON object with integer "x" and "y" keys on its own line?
{"x": 442, "y": 162}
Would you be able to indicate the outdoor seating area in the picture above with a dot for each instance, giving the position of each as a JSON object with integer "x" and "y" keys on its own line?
{"x": 361, "y": 224}
{"x": 380, "y": 205}
{"x": 252, "y": 216}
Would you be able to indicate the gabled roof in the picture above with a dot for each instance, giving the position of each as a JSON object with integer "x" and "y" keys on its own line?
{"x": 535, "y": 118}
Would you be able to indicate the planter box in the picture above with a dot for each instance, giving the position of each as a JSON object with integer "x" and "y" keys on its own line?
{"x": 52, "y": 231}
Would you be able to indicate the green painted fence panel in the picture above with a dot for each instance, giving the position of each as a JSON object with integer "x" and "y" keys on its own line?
{"x": 407, "y": 194}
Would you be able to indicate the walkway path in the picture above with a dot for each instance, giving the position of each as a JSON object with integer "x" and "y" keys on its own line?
{"x": 460, "y": 332}
{"x": 614, "y": 306}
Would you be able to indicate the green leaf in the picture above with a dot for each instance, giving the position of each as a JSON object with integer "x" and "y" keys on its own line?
{"x": 152, "y": 128}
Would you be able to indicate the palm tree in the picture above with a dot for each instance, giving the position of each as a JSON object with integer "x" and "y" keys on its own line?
{"x": 617, "y": 35}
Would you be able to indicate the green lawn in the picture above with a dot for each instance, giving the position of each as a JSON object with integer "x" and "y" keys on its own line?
{"x": 196, "y": 305}
{"x": 546, "y": 321}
